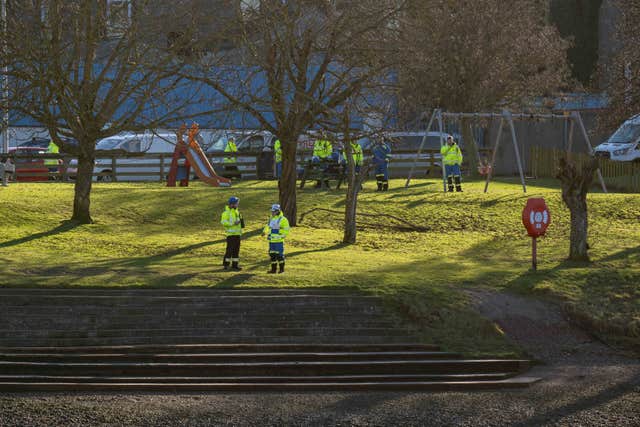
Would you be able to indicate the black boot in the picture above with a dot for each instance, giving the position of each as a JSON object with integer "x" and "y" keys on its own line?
{"x": 235, "y": 266}
{"x": 458, "y": 184}
{"x": 450, "y": 184}
{"x": 281, "y": 267}
{"x": 385, "y": 186}
{"x": 379, "y": 187}
{"x": 274, "y": 267}
{"x": 225, "y": 265}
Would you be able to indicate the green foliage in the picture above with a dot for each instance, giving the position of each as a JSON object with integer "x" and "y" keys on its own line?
{"x": 147, "y": 235}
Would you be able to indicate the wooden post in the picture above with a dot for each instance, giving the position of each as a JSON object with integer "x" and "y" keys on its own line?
{"x": 424, "y": 139}
{"x": 493, "y": 155}
{"x": 162, "y": 167}
{"x": 113, "y": 168}
{"x": 441, "y": 129}
{"x": 534, "y": 253}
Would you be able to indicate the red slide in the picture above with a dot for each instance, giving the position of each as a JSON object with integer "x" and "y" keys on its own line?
{"x": 201, "y": 165}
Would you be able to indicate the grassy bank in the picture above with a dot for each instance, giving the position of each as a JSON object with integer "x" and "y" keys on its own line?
{"x": 148, "y": 235}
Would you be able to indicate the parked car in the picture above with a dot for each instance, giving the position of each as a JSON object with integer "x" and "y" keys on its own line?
{"x": 131, "y": 168}
{"x": 30, "y": 169}
{"x": 624, "y": 144}
{"x": 251, "y": 145}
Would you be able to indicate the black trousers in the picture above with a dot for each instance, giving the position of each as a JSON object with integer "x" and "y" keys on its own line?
{"x": 232, "y": 254}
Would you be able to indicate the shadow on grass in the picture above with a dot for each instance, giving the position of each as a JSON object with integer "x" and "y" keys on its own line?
{"x": 618, "y": 256}
{"x": 62, "y": 228}
{"x": 233, "y": 280}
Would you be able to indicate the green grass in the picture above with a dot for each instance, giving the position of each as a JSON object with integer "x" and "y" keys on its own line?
{"x": 147, "y": 235}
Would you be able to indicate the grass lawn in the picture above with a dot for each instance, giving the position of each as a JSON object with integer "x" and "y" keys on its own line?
{"x": 147, "y": 235}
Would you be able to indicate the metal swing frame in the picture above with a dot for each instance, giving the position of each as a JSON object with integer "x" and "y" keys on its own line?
{"x": 505, "y": 117}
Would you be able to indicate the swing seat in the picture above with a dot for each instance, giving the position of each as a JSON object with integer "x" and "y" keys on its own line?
{"x": 484, "y": 170}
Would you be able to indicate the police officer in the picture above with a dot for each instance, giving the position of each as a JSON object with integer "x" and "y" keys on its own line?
{"x": 381, "y": 156}
{"x": 233, "y": 224}
{"x": 230, "y": 159}
{"x": 357, "y": 155}
{"x": 276, "y": 231}
{"x": 452, "y": 159}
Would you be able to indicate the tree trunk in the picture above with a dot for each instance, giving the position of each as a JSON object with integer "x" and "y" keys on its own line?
{"x": 350, "y": 210}
{"x": 578, "y": 239}
{"x": 575, "y": 186}
{"x": 287, "y": 186}
{"x": 84, "y": 180}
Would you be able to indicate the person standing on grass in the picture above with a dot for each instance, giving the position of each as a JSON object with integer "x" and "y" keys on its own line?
{"x": 233, "y": 224}
{"x": 452, "y": 159}
{"x": 276, "y": 231}
{"x": 381, "y": 156}
{"x": 7, "y": 168}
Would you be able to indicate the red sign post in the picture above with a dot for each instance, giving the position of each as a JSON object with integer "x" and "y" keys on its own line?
{"x": 536, "y": 218}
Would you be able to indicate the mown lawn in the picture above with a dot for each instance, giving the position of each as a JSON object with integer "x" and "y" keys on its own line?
{"x": 147, "y": 235}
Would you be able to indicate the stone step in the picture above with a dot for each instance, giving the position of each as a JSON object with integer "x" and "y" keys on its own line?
{"x": 193, "y": 292}
{"x": 282, "y": 368}
{"x": 196, "y": 308}
{"x": 207, "y": 339}
{"x": 518, "y": 382}
{"x": 228, "y": 348}
{"x": 210, "y": 301}
{"x": 211, "y": 332}
{"x": 195, "y": 323}
{"x": 256, "y": 379}
{"x": 222, "y": 357}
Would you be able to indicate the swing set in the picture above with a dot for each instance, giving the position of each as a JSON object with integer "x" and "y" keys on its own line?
{"x": 508, "y": 118}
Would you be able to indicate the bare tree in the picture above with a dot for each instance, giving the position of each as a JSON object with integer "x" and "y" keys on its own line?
{"x": 468, "y": 55}
{"x": 85, "y": 71}
{"x": 576, "y": 181}
{"x": 624, "y": 79}
{"x": 298, "y": 62}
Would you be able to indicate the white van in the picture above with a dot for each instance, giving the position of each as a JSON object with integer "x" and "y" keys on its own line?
{"x": 132, "y": 168}
{"x": 624, "y": 144}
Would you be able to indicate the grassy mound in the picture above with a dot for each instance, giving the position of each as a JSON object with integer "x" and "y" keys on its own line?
{"x": 148, "y": 235}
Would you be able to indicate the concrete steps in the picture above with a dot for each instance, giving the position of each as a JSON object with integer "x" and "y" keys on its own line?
{"x": 224, "y": 340}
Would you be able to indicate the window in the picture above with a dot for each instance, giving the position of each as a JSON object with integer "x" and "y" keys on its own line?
{"x": 249, "y": 5}
{"x": 118, "y": 17}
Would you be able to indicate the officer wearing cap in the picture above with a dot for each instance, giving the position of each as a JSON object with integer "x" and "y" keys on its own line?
{"x": 276, "y": 231}
{"x": 233, "y": 224}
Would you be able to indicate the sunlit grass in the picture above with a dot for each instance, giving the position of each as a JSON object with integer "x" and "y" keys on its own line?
{"x": 147, "y": 235}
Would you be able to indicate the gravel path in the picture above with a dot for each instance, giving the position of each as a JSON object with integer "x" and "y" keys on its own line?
{"x": 586, "y": 384}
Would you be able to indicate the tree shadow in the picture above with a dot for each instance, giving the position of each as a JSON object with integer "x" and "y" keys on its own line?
{"x": 236, "y": 279}
{"x": 621, "y": 254}
{"x": 64, "y": 226}
{"x": 597, "y": 401}
{"x": 328, "y": 248}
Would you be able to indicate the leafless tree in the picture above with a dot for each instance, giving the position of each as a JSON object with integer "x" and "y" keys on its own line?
{"x": 297, "y": 62}
{"x": 624, "y": 79}
{"x": 85, "y": 71}
{"x": 576, "y": 181}
{"x": 469, "y": 55}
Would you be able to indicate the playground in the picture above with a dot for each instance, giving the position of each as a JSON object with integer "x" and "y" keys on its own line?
{"x": 150, "y": 236}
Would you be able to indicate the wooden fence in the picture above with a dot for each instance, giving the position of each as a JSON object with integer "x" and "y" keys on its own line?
{"x": 623, "y": 176}
{"x": 155, "y": 166}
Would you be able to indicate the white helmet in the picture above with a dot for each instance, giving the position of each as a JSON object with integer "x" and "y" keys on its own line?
{"x": 275, "y": 207}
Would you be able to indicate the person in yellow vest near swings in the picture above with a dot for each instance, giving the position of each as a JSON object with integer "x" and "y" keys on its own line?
{"x": 276, "y": 231}
{"x": 452, "y": 159}
{"x": 233, "y": 224}
{"x": 230, "y": 160}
